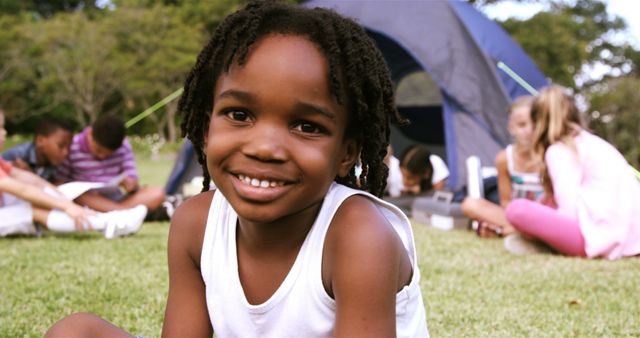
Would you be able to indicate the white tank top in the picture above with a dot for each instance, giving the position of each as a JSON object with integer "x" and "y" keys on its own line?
{"x": 523, "y": 185}
{"x": 300, "y": 307}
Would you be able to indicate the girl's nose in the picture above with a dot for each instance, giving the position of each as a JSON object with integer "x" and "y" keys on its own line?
{"x": 267, "y": 144}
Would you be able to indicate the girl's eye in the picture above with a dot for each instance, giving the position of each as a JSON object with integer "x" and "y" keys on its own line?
{"x": 309, "y": 128}
{"x": 238, "y": 115}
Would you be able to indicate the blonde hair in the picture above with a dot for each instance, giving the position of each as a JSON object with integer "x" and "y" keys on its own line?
{"x": 556, "y": 119}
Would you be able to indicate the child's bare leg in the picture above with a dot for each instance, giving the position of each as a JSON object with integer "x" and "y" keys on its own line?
{"x": 85, "y": 325}
{"x": 151, "y": 197}
{"x": 40, "y": 215}
{"x": 55, "y": 220}
{"x": 491, "y": 216}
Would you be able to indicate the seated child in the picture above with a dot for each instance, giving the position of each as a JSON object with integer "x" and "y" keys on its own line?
{"x": 42, "y": 156}
{"x": 595, "y": 194}
{"x": 284, "y": 247}
{"x": 101, "y": 153}
{"x": 26, "y": 198}
{"x": 518, "y": 174}
{"x": 422, "y": 171}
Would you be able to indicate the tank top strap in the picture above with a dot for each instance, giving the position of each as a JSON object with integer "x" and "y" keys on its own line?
{"x": 509, "y": 152}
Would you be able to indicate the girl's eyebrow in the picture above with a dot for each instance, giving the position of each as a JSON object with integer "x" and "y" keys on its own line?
{"x": 311, "y": 108}
{"x": 237, "y": 94}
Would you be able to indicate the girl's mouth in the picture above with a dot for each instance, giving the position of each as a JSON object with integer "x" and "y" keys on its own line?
{"x": 260, "y": 190}
{"x": 254, "y": 182}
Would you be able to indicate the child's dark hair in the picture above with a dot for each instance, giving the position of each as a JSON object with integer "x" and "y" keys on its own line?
{"x": 50, "y": 125}
{"x": 109, "y": 131}
{"x": 358, "y": 78}
{"x": 416, "y": 160}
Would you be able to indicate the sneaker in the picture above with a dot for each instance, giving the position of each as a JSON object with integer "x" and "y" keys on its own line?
{"x": 171, "y": 203}
{"x": 122, "y": 222}
{"x": 517, "y": 244}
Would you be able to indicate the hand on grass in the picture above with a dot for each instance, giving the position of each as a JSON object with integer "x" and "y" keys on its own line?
{"x": 490, "y": 230}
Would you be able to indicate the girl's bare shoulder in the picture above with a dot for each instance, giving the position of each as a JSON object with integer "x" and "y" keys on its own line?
{"x": 189, "y": 222}
{"x": 501, "y": 158}
{"x": 358, "y": 224}
{"x": 193, "y": 211}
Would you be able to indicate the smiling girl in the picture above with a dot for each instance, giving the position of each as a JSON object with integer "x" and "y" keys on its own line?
{"x": 280, "y": 105}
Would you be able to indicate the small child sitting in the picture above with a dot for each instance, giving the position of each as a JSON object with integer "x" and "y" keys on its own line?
{"x": 518, "y": 174}
{"x": 42, "y": 156}
{"x": 101, "y": 153}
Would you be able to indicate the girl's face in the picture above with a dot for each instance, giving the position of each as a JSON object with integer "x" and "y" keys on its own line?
{"x": 521, "y": 126}
{"x": 276, "y": 138}
{"x": 409, "y": 179}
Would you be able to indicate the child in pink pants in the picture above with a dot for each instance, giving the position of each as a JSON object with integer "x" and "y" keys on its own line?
{"x": 595, "y": 192}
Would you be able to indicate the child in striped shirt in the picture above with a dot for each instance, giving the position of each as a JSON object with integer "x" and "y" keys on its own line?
{"x": 101, "y": 153}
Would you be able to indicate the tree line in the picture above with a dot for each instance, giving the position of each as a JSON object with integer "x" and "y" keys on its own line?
{"x": 77, "y": 59}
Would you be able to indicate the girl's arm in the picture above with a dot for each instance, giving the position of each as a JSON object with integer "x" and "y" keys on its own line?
{"x": 364, "y": 266}
{"x": 29, "y": 177}
{"x": 186, "y": 313}
{"x": 440, "y": 185}
{"x": 504, "y": 179}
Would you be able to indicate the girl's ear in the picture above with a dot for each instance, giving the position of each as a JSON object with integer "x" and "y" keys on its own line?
{"x": 351, "y": 151}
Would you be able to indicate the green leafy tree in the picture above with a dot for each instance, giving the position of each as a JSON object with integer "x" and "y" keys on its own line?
{"x": 77, "y": 64}
{"x": 160, "y": 49}
{"x": 569, "y": 37}
{"x": 615, "y": 106}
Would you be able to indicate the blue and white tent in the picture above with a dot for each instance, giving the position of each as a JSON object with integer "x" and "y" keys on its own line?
{"x": 456, "y": 49}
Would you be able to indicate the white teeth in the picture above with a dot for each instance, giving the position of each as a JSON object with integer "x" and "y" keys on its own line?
{"x": 254, "y": 182}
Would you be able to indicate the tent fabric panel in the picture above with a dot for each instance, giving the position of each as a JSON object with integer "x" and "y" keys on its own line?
{"x": 501, "y": 47}
{"x": 467, "y": 140}
{"x": 432, "y": 33}
{"x": 399, "y": 61}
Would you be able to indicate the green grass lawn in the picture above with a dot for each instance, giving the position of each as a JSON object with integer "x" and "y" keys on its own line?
{"x": 471, "y": 287}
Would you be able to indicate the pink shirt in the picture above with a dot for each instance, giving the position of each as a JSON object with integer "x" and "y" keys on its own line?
{"x": 598, "y": 189}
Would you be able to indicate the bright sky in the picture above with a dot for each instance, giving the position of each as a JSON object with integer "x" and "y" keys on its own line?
{"x": 627, "y": 9}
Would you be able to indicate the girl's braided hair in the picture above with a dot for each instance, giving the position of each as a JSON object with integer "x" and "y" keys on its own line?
{"x": 358, "y": 78}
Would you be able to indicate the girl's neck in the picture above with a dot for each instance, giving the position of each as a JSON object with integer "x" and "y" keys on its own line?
{"x": 283, "y": 234}
{"x": 525, "y": 151}
{"x": 524, "y": 159}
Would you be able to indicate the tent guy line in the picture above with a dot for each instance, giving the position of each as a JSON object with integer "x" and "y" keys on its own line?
{"x": 501, "y": 65}
{"x": 153, "y": 108}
